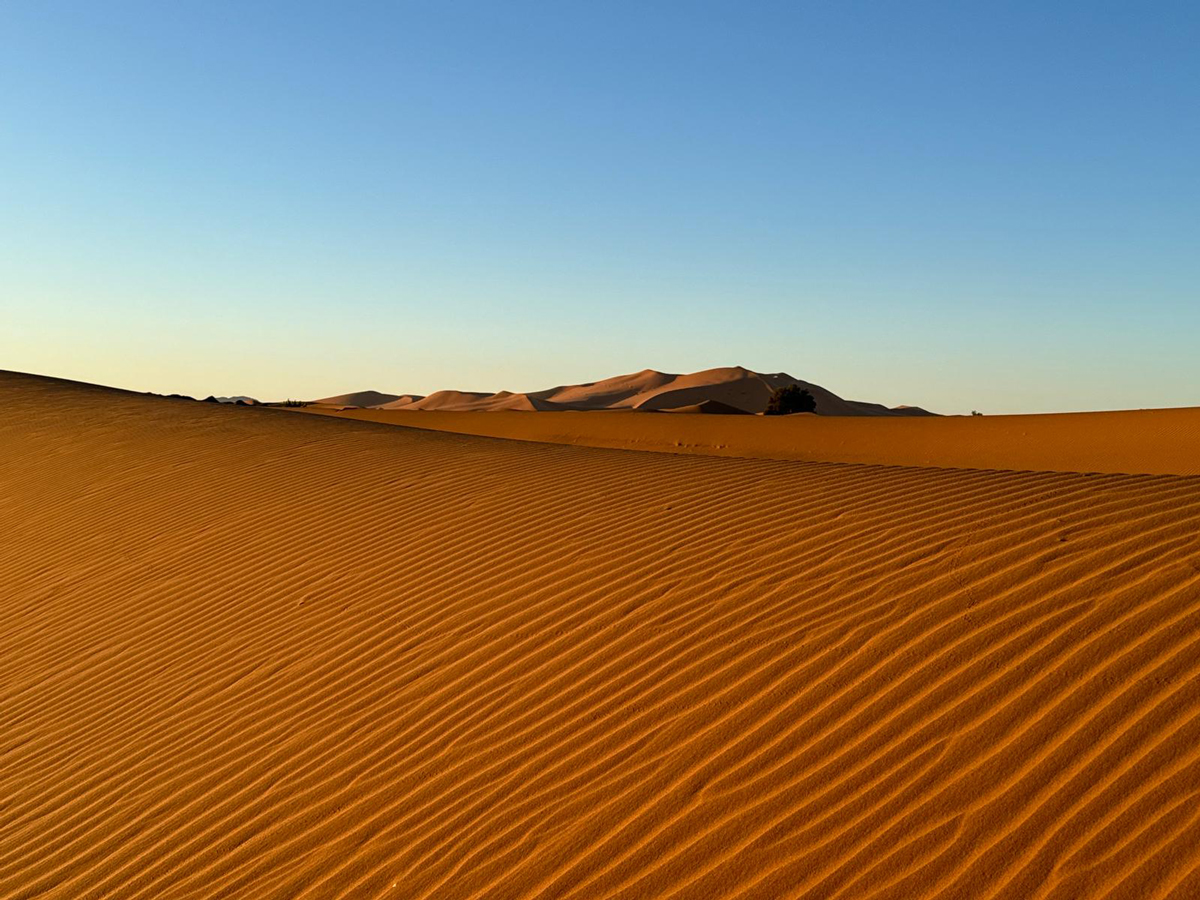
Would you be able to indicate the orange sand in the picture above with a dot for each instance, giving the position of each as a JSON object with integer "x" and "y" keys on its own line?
{"x": 1151, "y": 442}
{"x": 246, "y": 653}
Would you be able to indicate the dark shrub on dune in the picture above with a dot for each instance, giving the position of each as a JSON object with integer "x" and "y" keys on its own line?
{"x": 790, "y": 399}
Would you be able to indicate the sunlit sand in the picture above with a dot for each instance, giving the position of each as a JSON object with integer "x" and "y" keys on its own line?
{"x": 249, "y": 652}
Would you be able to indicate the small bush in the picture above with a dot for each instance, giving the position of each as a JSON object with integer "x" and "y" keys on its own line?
{"x": 791, "y": 399}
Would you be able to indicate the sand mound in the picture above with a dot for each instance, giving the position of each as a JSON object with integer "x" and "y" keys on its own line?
{"x": 250, "y": 653}
{"x": 459, "y": 401}
{"x": 646, "y": 390}
{"x": 709, "y": 407}
{"x": 745, "y": 390}
{"x": 448, "y": 400}
{"x": 610, "y": 393}
{"x": 402, "y": 402}
{"x": 1151, "y": 441}
{"x": 364, "y": 399}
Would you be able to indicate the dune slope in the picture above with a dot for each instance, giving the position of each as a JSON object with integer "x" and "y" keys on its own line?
{"x": 1138, "y": 442}
{"x": 361, "y": 398}
{"x": 247, "y": 653}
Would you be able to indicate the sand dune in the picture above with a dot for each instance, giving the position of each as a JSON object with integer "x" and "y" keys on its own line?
{"x": 450, "y": 400}
{"x": 250, "y": 653}
{"x": 648, "y": 390}
{"x": 401, "y": 402}
{"x": 360, "y": 398}
{"x": 711, "y": 407}
{"x": 609, "y": 393}
{"x": 1149, "y": 442}
{"x": 746, "y": 390}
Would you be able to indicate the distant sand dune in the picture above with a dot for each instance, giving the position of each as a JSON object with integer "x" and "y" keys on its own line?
{"x": 449, "y": 400}
{"x": 252, "y": 653}
{"x": 401, "y": 402}
{"x": 646, "y": 390}
{"x": 361, "y": 398}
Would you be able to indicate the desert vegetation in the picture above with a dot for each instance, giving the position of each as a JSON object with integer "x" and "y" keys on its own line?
{"x": 790, "y": 399}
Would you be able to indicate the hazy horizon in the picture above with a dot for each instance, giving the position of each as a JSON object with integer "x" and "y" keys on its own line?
{"x": 947, "y": 207}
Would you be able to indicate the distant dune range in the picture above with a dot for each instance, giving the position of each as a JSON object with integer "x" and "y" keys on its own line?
{"x": 254, "y": 654}
{"x": 724, "y": 390}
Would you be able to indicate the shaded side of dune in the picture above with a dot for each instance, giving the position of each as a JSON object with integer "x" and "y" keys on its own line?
{"x": 248, "y": 653}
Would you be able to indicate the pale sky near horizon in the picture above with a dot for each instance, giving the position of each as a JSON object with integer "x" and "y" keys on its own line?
{"x": 957, "y": 205}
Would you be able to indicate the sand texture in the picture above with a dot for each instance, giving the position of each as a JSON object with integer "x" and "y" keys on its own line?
{"x": 251, "y": 653}
{"x": 1148, "y": 442}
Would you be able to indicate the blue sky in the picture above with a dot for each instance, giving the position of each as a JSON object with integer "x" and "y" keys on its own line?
{"x": 959, "y": 205}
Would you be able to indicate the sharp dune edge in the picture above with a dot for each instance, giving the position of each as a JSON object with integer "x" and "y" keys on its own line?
{"x": 248, "y": 653}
